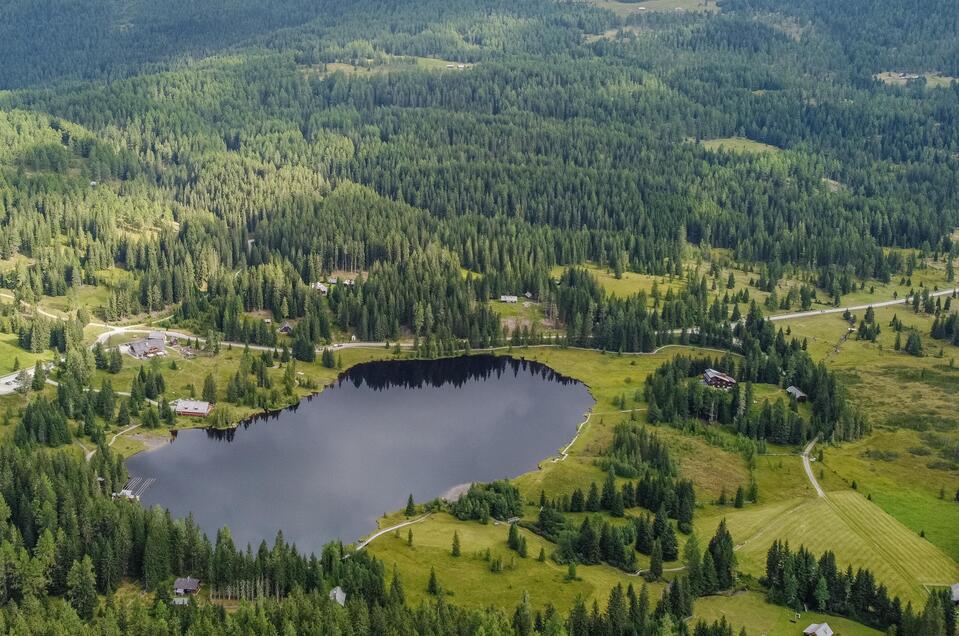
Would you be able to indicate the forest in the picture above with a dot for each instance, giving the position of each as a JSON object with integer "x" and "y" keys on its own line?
{"x": 218, "y": 162}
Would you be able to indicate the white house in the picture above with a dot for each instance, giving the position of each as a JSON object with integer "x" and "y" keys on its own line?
{"x": 508, "y": 299}
{"x": 337, "y": 595}
{"x": 818, "y": 629}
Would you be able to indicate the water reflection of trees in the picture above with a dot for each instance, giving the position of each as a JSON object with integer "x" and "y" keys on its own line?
{"x": 416, "y": 374}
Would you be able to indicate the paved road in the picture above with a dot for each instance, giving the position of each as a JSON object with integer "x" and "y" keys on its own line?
{"x": 839, "y": 310}
{"x": 807, "y": 466}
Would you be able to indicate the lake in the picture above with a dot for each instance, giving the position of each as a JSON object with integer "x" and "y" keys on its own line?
{"x": 328, "y": 467}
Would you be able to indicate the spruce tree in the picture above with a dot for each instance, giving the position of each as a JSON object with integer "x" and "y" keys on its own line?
{"x": 209, "y": 388}
{"x": 397, "y": 595}
{"x": 455, "y": 551}
{"x": 656, "y": 561}
{"x": 81, "y": 588}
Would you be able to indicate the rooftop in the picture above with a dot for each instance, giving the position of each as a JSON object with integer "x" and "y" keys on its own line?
{"x": 187, "y": 584}
{"x": 818, "y": 629}
{"x": 189, "y": 407}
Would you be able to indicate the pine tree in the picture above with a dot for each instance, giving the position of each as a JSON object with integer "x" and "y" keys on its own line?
{"x": 156, "y": 554}
{"x": 39, "y": 377}
{"x": 397, "y": 595}
{"x": 692, "y": 559}
{"x": 433, "y": 587}
{"x": 512, "y": 538}
{"x": 656, "y": 562}
{"x": 123, "y": 415}
{"x": 81, "y": 588}
{"x": 592, "y": 500}
{"x": 709, "y": 584}
{"x": 724, "y": 558}
{"x": 740, "y": 497}
{"x": 410, "y": 506}
{"x": 209, "y": 388}
{"x": 455, "y": 551}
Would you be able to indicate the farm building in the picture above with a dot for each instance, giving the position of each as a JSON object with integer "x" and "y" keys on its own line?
{"x": 718, "y": 379}
{"x": 955, "y": 593}
{"x": 150, "y": 347}
{"x": 818, "y": 629}
{"x": 797, "y": 393}
{"x": 320, "y": 287}
{"x": 286, "y": 328}
{"x": 337, "y": 595}
{"x": 191, "y": 408}
{"x": 184, "y": 586}
{"x": 508, "y": 299}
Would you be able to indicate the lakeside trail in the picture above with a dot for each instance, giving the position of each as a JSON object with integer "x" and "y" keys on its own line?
{"x": 88, "y": 455}
{"x": 380, "y": 533}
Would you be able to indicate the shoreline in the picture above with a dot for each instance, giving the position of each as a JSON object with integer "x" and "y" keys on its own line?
{"x": 450, "y": 494}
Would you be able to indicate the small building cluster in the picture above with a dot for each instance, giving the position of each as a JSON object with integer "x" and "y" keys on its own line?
{"x": 718, "y": 379}
{"x": 184, "y": 588}
{"x": 150, "y": 347}
{"x": 191, "y": 408}
{"x": 818, "y": 629}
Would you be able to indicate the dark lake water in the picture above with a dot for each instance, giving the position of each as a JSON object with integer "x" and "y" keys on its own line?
{"x": 327, "y": 468}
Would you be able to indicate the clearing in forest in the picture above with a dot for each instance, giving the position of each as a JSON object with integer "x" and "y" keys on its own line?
{"x": 739, "y": 144}
{"x": 630, "y": 8}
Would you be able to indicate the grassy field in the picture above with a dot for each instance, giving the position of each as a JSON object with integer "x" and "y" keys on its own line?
{"x": 895, "y": 389}
{"x": 628, "y": 283}
{"x": 750, "y": 610}
{"x": 933, "y": 79}
{"x": 524, "y": 313}
{"x": 10, "y": 353}
{"x": 886, "y": 466}
{"x": 467, "y": 579}
{"x": 859, "y": 532}
{"x": 738, "y": 144}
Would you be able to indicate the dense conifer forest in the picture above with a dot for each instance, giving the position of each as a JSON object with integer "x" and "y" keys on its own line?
{"x": 383, "y": 170}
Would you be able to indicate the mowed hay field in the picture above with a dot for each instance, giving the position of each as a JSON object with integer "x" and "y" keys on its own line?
{"x": 900, "y": 472}
{"x": 750, "y": 610}
{"x": 859, "y": 532}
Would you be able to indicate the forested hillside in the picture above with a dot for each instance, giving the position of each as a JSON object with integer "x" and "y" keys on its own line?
{"x": 385, "y": 172}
